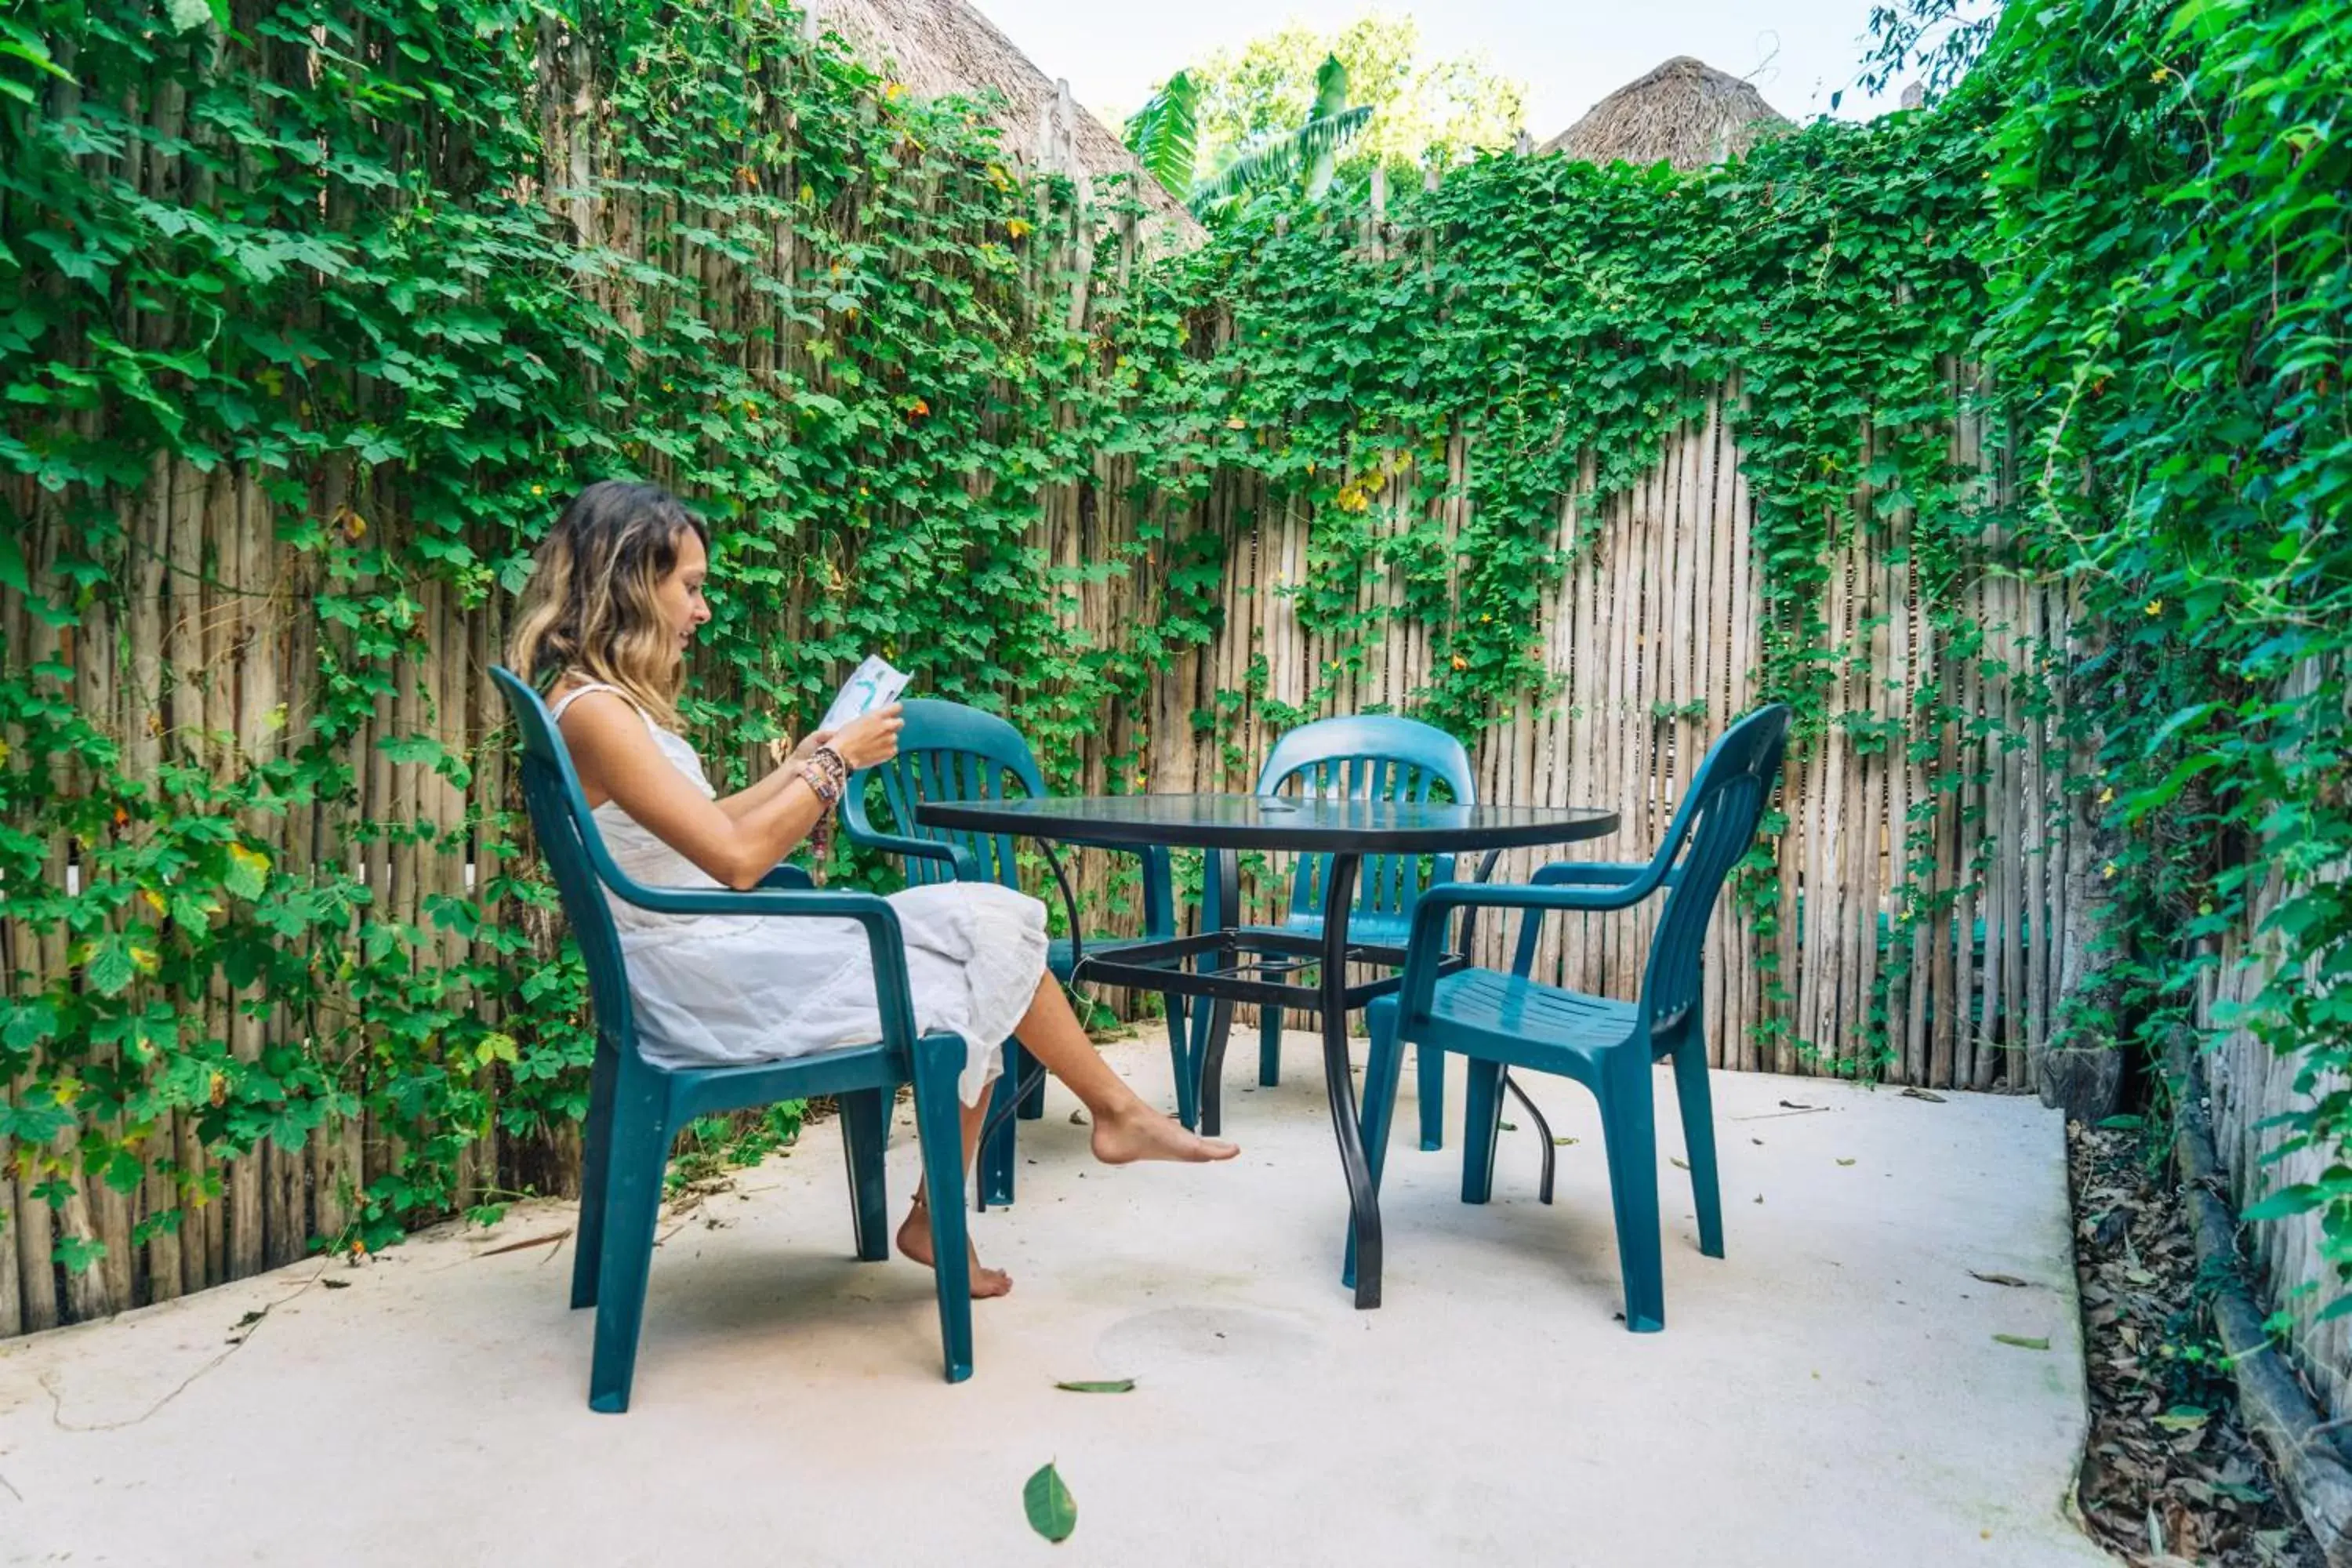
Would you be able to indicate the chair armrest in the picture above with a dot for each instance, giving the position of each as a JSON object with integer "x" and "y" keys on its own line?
{"x": 870, "y": 910}
{"x": 788, "y": 876}
{"x": 1596, "y": 873}
{"x": 967, "y": 868}
{"x": 1425, "y": 949}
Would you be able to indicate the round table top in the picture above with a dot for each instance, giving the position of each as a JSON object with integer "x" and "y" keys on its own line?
{"x": 1307, "y": 825}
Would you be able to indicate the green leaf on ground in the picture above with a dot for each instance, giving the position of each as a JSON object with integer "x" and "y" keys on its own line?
{"x": 1100, "y": 1385}
{"x": 1053, "y": 1511}
{"x": 2021, "y": 1343}
{"x": 2184, "y": 1418}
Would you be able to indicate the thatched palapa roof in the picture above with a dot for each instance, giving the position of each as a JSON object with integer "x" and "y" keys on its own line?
{"x": 1685, "y": 114}
{"x": 942, "y": 48}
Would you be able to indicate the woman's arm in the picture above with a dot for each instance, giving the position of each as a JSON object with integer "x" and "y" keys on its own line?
{"x": 776, "y": 780}
{"x": 619, "y": 761}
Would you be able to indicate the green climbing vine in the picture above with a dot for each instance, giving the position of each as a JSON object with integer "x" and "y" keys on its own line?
{"x": 377, "y": 262}
{"x": 1564, "y": 318}
{"x": 330, "y": 249}
{"x": 2170, "y": 309}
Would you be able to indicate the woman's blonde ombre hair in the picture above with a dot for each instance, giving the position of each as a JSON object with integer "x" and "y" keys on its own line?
{"x": 590, "y": 608}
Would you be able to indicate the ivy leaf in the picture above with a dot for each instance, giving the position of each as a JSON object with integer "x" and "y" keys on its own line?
{"x": 78, "y": 1253}
{"x": 248, "y": 875}
{"x": 110, "y": 965}
{"x": 2288, "y": 1200}
{"x": 1053, "y": 1511}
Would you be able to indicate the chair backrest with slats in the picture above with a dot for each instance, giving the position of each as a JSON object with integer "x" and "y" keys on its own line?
{"x": 568, "y": 835}
{"x": 947, "y": 752}
{"x": 1371, "y": 756}
{"x": 1711, "y": 833}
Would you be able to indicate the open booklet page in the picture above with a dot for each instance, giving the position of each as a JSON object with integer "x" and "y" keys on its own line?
{"x": 874, "y": 684}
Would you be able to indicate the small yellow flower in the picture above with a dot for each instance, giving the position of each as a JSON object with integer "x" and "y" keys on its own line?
{"x": 538, "y": 490}
{"x": 2105, "y": 796}
{"x": 2108, "y": 870}
{"x": 2155, "y": 606}
{"x": 894, "y": 92}
{"x": 1461, "y": 663}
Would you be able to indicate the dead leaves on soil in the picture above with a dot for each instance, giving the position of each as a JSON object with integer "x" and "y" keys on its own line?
{"x": 2168, "y": 1476}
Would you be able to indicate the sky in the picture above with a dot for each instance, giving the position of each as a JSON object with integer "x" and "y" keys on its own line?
{"x": 1569, "y": 53}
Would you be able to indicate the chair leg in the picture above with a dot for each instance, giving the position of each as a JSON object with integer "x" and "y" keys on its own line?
{"x": 595, "y": 1160}
{"x": 633, "y": 1191}
{"x": 1629, "y": 1125}
{"x": 863, "y": 1114}
{"x": 938, "y": 1128}
{"x": 1384, "y": 1067}
{"x": 999, "y": 1153}
{"x": 1428, "y": 1068}
{"x": 1269, "y": 1046}
{"x": 1017, "y": 1063}
{"x": 1698, "y": 1138}
{"x": 1482, "y": 1114}
{"x": 1180, "y": 1062}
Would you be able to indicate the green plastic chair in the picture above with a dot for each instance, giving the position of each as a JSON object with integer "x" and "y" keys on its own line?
{"x": 1501, "y": 1022}
{"x": 949, "y": 751}
{"x": 636, "y": 1108}
{"x": 1375, "y": 756}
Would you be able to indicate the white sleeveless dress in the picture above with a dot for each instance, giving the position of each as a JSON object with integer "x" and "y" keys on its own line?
{"x": 724, "y": 990}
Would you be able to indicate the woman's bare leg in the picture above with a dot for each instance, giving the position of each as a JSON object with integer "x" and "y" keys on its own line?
{"x": 915, "y": 1234}
{"x": 1125, "y": 1129}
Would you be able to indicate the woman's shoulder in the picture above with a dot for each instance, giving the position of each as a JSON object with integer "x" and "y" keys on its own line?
{"x": 568, "y": 689}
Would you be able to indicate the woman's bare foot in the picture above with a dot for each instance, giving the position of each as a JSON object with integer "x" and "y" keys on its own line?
{"x": 1122, "y": 1137}
{"x": 915, "y": 1241}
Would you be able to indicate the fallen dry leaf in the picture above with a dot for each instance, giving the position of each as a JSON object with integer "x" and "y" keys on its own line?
{"x": 546, "y": 1240}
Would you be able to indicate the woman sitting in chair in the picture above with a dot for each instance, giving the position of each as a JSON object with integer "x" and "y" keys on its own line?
{"x": 615, "y": 597}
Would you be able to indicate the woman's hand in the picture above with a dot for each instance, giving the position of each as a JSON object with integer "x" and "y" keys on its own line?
{"x": 867, "y": 739}
{"x": 808, "y": 747}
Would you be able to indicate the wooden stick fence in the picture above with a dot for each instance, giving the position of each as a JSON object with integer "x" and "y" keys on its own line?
{"x": 1651, "y": 640}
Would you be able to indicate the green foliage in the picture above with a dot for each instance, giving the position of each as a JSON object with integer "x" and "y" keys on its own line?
{"x": 2171, "y": 307}
{"x": 348, "y": 275}
{"x": 1423, "y": 111}
{"x": 361, "y": 287}
{"x": 712, "y": 1145}
{"x": 1308, "y": 156}
{"x": 1163, "y": 134}
{"x": 1563, "y": 315}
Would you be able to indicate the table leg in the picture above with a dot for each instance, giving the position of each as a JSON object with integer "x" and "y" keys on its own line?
{"x": 1339, "y": 1083}
{"x": 1214, "y": 1020}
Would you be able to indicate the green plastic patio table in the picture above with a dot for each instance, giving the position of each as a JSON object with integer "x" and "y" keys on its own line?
{"x": 1235, "y": 964}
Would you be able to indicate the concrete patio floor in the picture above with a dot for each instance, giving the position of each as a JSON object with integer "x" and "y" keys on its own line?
{"x": 1831, "y": 1394}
